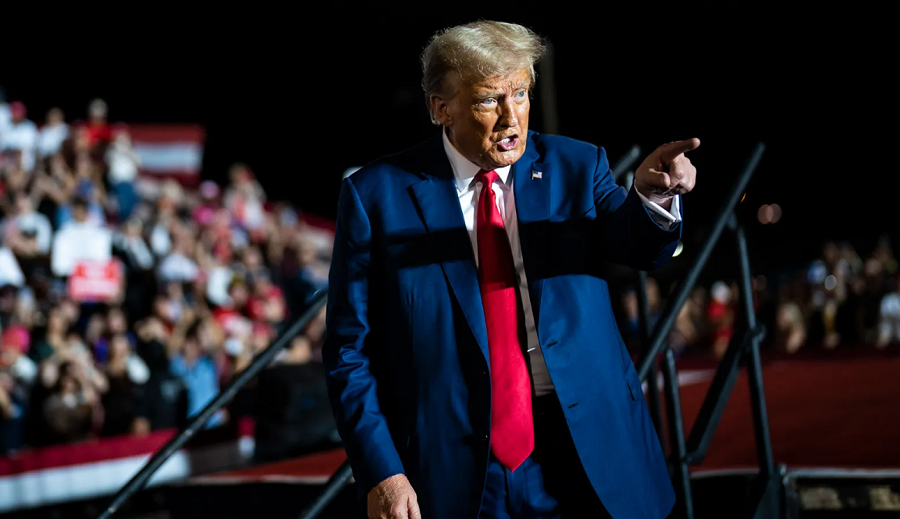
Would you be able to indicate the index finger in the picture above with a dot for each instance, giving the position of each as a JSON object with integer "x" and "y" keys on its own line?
{"x": 674, "y": 149}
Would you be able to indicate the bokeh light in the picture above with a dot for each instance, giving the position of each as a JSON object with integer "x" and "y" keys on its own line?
{"x": 775, "y": 210}
{"x": 769, "y": 213}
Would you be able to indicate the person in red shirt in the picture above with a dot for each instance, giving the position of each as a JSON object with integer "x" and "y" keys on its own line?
{"x": 98, "y": 129}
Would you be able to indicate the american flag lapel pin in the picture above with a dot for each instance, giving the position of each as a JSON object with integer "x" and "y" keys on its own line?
{"x": 536, "y": 174}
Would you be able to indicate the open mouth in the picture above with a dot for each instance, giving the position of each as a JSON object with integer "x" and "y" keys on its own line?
{"x": 509, "y": 143}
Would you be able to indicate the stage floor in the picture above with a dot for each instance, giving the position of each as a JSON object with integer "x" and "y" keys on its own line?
{"x": 839, "y": 415}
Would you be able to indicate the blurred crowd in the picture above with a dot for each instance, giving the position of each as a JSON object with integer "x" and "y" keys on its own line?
{"x": 199, "y": 280}
{"x": 840, "y": 300}
{"x": 126, "y": 305}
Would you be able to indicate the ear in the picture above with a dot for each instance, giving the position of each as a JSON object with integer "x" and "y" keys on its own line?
{"x": 441, "y": 110}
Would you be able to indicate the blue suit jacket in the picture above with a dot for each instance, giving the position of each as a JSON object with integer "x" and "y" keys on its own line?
{"x": 406, "y": 348}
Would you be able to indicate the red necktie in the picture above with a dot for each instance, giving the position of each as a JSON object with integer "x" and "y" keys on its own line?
{"x": 512, "y": 428}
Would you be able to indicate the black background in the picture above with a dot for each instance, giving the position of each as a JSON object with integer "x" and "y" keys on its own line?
{"x": 302, "y": 93}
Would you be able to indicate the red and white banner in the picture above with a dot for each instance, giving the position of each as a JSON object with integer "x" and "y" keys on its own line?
{"x": 169, "y": 151}
{"x": 95, "y": 281}
{"x": 95, "y": 468}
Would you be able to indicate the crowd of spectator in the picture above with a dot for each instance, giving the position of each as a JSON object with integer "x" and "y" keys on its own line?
{"x": 839, "y": 300}
{"x": 208, "y": 276}
{"x": 202, "y": 279}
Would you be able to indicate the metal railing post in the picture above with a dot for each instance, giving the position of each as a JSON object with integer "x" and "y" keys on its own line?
{"x": 754, "y": 366}
{"x": 682, "y": 475}
{"x": 769, "y": 494}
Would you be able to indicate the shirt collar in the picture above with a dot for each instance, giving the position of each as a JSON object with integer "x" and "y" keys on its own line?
{"x": 465, "y": 170}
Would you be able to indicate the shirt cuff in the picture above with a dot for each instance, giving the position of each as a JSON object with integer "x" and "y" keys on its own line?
{"x": 663, "y": 218}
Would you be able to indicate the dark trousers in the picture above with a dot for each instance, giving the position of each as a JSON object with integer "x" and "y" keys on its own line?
{"x": 551, "y": 483}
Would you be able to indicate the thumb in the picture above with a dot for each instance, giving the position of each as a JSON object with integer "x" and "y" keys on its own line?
{"x": 414, "y": 512}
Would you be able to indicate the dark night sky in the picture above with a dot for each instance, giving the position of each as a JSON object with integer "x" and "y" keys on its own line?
{"x": 301, "y": 98}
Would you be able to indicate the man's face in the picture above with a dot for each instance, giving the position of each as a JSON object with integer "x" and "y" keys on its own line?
{"x": 487, "y": 119}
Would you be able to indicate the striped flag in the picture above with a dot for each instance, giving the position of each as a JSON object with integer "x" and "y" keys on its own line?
{"x": 169, "y": 151}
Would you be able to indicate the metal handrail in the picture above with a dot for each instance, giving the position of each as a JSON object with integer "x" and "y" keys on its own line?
{"x": 766, "y": 501}
{"x": 667, "y": 320}
{"x": 263, "y": 359}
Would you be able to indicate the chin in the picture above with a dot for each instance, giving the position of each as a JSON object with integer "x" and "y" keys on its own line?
{"x": 506, "y": 158}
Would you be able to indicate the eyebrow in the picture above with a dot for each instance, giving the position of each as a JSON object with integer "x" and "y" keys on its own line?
{"x": 494, "y": 93}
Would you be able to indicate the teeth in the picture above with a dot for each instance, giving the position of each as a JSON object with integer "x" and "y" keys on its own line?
{"x": 506, "y": 140}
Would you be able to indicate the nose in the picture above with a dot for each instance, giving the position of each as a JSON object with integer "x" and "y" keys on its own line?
{"x": 508, "y": 117}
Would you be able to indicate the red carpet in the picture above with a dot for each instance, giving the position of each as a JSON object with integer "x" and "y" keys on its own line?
{"x": 823, "y": 414}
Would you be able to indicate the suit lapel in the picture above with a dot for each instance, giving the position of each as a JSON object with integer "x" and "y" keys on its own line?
{"x": 439, "y": 208}
{"x": 532, "y": 186}
{"x": 438, "y": 204}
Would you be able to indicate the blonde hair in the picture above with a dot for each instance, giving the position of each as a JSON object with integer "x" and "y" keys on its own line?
{"x": 476, "y": 51}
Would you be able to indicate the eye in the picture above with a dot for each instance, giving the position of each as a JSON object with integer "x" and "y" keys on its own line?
{"x": 490, "y": 101}
{"x": 521, "y": 94}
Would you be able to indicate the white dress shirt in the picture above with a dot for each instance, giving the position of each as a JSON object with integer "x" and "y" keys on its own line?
{"x": 469, "y": 193}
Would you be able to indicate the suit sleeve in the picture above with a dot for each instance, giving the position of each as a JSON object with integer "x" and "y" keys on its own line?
{"x": 351, "y": 384}
{"x": 627, "y": 233}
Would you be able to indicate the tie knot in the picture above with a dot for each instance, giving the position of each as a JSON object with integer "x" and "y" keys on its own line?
{"x": 486, "y": 178}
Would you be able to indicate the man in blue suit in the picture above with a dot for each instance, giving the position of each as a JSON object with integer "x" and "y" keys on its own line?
{"x": 473, "y": 360}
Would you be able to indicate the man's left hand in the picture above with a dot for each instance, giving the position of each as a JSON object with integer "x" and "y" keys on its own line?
{"x": 667, "y": 172}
